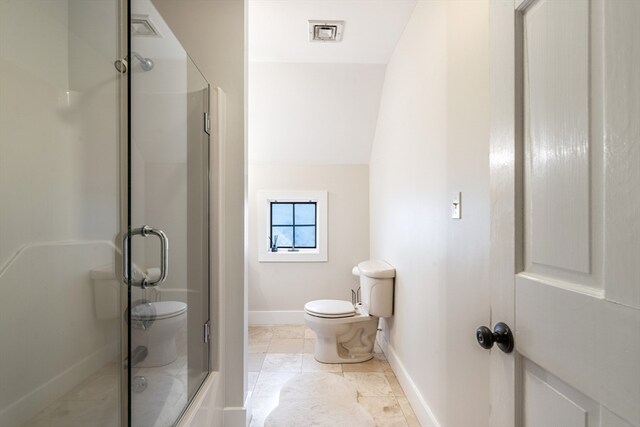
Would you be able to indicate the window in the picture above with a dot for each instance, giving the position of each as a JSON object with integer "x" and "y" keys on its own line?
{"x": 292, "y": 226}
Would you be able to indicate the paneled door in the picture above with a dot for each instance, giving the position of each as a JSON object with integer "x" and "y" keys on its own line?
{"x": 565, "y": 174}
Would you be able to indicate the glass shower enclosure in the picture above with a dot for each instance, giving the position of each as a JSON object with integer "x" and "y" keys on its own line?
{"x": 104, "y": 216}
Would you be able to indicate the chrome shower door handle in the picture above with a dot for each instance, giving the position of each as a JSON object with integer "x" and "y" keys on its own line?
{"x": 144, "y": 231}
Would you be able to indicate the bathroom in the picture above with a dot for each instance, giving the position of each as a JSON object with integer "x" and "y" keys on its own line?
{"x": 397, "y": 137}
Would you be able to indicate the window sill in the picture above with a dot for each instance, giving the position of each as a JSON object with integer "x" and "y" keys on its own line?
{"x": 301, "y": 255}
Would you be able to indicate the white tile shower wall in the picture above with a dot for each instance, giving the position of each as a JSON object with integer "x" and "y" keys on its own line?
{"x": 58, "y": 196}
{"x": 51, "y": 337}
{"x": 58, "y": 143}
{"x": 278, "y": 287}
{"x": 432, "y": 140}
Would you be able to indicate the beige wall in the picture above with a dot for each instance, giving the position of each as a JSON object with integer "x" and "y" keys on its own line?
{"x": 311, "y": 113}
{"x": 433, "y": 140}
{"x": 213, "y": 33}
{"x": 283, "y": 286}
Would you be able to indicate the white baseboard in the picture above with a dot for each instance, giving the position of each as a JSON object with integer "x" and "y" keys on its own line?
{"x": 420, "y": 407}
{"x": 237, "y": 417}
{"x": 293, "y": 317}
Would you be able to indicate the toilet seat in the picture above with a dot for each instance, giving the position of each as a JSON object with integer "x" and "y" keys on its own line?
{"x": 158, "y": 310}
{"x": 330, "y": 308}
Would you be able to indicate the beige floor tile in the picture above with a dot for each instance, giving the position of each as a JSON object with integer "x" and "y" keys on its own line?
{"x": 260, "y": 333}
{"x": 386, "y": 367}
{"x": 370, "y": 383}
{"x": 310, "y": 364}
{"x": 270, "y": 383}
{"x": 285, "y": 345}
{"x": 309, "y": 346}
{"x": 288, "y": 331}
{"x": 254, "y": 361}
{"x": 258, "y": 346}
{"x": 407, "y": 410}
{"x": 309, "y": 333}
{"x": 385, "y": 411}
{"x": 379, "y": 390}
{"x": 394, "y": 384}
{"x": 372, "y": 365}
{"x": 277, "y": 362}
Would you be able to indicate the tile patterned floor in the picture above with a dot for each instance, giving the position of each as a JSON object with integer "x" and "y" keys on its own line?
{"x": 277, "y": 353}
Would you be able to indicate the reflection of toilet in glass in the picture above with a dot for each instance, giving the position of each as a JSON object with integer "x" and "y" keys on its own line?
{"x": 346, "y": 333}
{"x": 154, "y": 325}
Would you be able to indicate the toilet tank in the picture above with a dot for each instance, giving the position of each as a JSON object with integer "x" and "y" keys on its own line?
{"x": 376, "y": 284}
{"x": 106, "y": 292}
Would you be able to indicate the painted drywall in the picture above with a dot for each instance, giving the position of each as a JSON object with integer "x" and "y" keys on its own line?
{"x": 432, "y": 140}
{"x": 58, "y": 198}
{"x": 302, "y": 113}
{"x": 286, "y": 286}
{"x": 213, "y": 33}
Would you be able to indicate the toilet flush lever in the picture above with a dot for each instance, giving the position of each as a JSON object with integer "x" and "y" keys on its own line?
{"x": 145, "y": 231}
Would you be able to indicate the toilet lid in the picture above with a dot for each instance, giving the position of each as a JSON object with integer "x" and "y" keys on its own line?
{"x": 158, "y": 310}
{"x": 330, "y": 308}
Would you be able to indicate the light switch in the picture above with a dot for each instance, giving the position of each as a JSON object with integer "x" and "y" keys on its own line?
{"x": 456, "y": 206}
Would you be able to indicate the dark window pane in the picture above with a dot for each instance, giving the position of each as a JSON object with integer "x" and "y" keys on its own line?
{"x": 305, "y": 237}
{"x": 282, "y": 213}
{"x": 285, "y": 236}
{"x": 305, "y": 214}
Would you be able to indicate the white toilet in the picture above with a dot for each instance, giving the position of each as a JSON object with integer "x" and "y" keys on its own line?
{"x": 346, "y": 333}
{"x": 154, "y": 325}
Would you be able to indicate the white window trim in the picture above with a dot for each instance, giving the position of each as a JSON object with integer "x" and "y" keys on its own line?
{"x": 318, "y": 254}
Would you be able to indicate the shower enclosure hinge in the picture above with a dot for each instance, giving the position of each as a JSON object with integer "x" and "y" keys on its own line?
{"x": 207, "y": 331}
{"x": 207, "y": 123}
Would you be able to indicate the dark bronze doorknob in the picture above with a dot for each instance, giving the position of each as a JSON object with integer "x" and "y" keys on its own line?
{"x": 501, "y": 335}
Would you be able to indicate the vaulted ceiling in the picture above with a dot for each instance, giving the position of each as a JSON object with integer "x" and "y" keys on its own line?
{"x": 314, "y": 102}
{"x": 278, "y": 30}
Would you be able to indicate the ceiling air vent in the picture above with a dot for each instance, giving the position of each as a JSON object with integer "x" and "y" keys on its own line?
{"x": 141, "y": 25}
{"x": 325, "y": 31}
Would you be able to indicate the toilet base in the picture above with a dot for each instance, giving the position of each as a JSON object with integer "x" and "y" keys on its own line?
{"x": 349, "y": 340}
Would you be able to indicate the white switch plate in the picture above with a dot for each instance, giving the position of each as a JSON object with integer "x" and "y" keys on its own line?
{"x": 456, "y": 206}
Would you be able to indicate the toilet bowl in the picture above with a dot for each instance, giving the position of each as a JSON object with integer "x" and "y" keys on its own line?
{"x": 346, "y": 333}
{"x": 346, "y": 337}
{"x": 155, "y": 326}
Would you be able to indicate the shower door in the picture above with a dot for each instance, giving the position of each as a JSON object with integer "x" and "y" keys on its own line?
{"x": 167, "y": 250}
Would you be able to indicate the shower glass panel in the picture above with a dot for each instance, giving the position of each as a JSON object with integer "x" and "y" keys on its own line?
{"x": 60, "y": 312}
{"x": 169, "y": 258}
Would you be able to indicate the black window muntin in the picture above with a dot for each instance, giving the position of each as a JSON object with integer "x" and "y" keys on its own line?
{"x": 293, "y": 224}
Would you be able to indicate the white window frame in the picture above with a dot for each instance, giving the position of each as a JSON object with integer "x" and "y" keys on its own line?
{"x": 317, "y": 254}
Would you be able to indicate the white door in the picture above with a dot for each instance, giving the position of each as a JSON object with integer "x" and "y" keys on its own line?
{"x": 565, "y": 165}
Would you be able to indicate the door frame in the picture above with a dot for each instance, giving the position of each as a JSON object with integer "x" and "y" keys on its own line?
{"x": 506, "y": 192}
{"x": 124, "y": 152}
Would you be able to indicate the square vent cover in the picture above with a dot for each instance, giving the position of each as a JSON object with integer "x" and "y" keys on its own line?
{"x": 325, "y": 31}
{"x": 141, "y": 25}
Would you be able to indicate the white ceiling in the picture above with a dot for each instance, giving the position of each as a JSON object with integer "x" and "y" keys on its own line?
{"x": 278, "y": 30}
{"x": 313, "y": 102}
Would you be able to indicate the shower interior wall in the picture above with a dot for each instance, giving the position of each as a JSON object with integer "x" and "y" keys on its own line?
{"x": 59, "y": 204}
